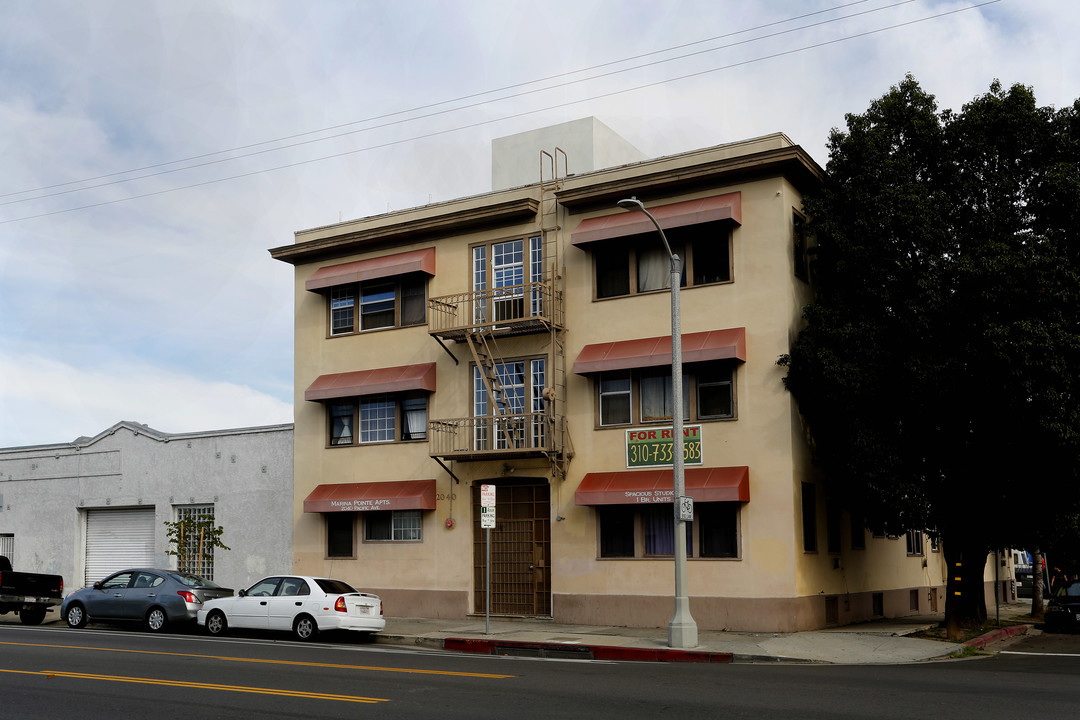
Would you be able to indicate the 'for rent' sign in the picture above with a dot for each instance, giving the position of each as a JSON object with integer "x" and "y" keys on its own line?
{"x": 651, "y": 447}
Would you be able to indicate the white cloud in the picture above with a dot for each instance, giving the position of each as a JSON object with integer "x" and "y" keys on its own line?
{"x": 44, "y": 401}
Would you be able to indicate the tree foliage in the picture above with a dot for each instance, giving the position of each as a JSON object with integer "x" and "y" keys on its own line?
{"x": 937, "y": 371}
{"x": 193, "y": 541}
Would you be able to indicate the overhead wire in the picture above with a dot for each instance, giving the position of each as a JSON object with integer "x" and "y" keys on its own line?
{"x": 525, "y": 113}
{"x": 452, "y": 100}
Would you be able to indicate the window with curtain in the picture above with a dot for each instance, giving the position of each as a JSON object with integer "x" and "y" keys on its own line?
{"x": 640, "y": 264}
{"x": 644, "y": 395}
{"x": 378, "y": 419}
{"x": 383, "y": 303}
{"x": 640, "y": 531}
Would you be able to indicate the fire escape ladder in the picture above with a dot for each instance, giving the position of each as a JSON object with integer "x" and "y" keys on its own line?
{"x": 487, "y": 362}
{"x": 551, "y": 222}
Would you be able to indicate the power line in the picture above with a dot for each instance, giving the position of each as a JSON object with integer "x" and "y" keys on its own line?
{"x": 434, "y": 105}
{"x": 437, "y": 133}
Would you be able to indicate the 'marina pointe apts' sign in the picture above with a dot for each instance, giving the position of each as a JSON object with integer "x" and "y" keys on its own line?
{"x": 652, "y": 447}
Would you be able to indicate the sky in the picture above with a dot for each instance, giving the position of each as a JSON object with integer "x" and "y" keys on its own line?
{"x": 152, "y": 151}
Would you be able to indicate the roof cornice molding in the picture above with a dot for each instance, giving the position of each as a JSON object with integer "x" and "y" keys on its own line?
{"x": 792, "y": 162}
{"x": 370, "y": 235}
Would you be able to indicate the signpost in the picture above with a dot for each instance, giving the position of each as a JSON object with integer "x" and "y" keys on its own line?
{"x": 487, "y": 522}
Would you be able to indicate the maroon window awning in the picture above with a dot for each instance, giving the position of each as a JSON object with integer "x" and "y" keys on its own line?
{"x": 632, "y": 487}
{"x": 373, "y": 268}
{"x": 729, "y": 344}
{"x": 673, "y": 215}
{"x": 372, "y": 382}
{"x": 358, "y": 497}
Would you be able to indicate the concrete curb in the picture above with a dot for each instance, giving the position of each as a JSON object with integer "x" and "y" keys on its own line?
{"x": 583, "y": 652}
{"x": 997, "y": 635}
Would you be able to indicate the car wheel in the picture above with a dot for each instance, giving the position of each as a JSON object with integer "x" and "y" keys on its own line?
{"x": 156, "y": 620}
{"x": 75, "y": 616}
{"x": 304, "y": 627}
{"x": 216, "y": 624}
{"x": 32, "y": 616}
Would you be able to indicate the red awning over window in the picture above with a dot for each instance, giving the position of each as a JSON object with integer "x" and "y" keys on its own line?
{"x": 680, "y": 214}
{"x": 727, "y": 344}
{"x": 373, "y": 268}
{"x": 356, "y": 497}
{"x": 372, "y": 382}
{"x": 631, "y": 487}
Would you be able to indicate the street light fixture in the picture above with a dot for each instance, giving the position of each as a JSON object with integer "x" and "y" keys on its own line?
{"x": 682, "y": 630}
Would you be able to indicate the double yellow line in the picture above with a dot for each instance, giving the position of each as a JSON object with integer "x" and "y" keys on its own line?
{"x": 232, "y": 688}
{"x": 199, "y": 686}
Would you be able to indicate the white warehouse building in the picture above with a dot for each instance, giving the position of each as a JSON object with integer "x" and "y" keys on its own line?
{"x": 99, "y": 504}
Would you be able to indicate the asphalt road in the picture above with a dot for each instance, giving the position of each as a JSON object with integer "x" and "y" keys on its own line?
{"x": 55, "y": 672}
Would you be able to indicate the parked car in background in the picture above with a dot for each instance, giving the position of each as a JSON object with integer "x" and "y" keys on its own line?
{"x": 29, "y": 594}
{"x": 1063, "y": 610}
{"x": 301, "y": 604}
{"x": 155, "y": 598}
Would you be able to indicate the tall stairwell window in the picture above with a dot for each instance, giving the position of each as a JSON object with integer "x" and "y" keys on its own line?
{"x": 514, "y": 419}
{"x": 502, "y": 275}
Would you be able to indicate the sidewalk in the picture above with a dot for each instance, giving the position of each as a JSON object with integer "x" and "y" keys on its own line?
{"x": 881, "y": 642}
{"x": 872, "y": 643}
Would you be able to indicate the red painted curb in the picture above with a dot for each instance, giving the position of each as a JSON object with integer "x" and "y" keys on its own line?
{"x": 596, "y": 652}
{"x": 995, "y": 635}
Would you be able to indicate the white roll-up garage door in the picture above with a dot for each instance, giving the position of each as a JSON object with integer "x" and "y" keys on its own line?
{"x": 117, "y": 540}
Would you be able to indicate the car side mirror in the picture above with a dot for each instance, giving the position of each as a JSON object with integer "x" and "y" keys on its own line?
{"x": 241, "y": 593}
{"x": 97, "y": 585}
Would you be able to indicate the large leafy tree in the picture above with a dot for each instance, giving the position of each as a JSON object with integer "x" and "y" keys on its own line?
{"x": 938, "y": 368}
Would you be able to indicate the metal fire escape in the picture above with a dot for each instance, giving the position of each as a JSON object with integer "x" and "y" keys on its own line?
{"x": 480, "y": 317}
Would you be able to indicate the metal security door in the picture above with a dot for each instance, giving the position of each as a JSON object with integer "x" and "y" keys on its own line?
{"x": 520, "y": 567}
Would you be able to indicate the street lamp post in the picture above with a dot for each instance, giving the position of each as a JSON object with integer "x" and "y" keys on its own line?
{"x": 682, "y": 630}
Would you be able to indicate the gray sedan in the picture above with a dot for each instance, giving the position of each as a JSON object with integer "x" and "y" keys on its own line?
{"x": 152, "y": 597}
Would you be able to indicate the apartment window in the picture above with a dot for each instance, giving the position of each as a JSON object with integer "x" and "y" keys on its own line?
{"x": 858, "y": 532}
{"x": 383, "y": 525}
{"x": 194, "y": 555}
{"x": 800, "y": 249}
{"x": 640, "y": 264}
{"x": 832, "y": 526}
{"x": 384, "y": 303}
{"x": 644, "y": 395}
{"x": 809, "y": 517}
{"x": 628, "y": 531}
{"x": 521, "y": 386}
{"x": 339, "y": 534}
{"x": 377, "y": 419}
{"x": 502, "y": 276}
{"x": 914, "y": 540}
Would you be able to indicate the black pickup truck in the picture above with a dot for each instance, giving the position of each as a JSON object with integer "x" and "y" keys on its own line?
{"x": 29, "y": 594}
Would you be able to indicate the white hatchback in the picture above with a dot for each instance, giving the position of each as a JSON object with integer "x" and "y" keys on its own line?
{"x": 297, "y": 603}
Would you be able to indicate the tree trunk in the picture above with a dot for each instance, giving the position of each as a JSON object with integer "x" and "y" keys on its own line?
{"x": 1036, "y": 583}
{"x": 965, "y": 596}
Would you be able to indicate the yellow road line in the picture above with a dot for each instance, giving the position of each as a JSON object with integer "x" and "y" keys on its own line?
{"x": 270, "y": 662}
{"x": 200, "y": 686}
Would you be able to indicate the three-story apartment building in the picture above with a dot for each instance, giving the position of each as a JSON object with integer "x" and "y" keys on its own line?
{"x": 520, "y": 339}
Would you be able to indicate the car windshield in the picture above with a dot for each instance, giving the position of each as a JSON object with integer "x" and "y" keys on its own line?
{"x": 194, "y": 580}
{"x": 334, "y": 586}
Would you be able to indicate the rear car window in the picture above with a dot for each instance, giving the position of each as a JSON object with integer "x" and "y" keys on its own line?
{"x": 195, "y": 581}
{"x": 334, "y": 586}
